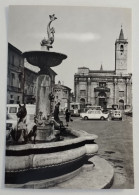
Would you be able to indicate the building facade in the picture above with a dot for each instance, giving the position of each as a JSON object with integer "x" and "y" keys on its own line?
{"x": 63, "y": 95}
{"x": 30, "y": 78}
{"x": 22, "y": 78}
{"x": 106, "y": 88}
{"x": 15, "y": 75}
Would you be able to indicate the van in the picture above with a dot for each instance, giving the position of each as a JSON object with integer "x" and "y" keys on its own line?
{"x": 12, "y": 109}
{"x": 11, "y": 117}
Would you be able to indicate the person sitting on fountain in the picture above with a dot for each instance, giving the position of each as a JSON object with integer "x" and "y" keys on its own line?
{"x": 56, "y": 116}
{"x": 49, "y": 120}
{"x": 56, "y": 113}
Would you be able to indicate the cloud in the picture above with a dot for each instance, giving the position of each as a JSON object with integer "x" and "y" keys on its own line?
{"x": 80, "y": 37}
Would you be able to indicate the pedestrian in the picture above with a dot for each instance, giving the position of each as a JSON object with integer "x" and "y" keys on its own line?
{"x": 67, "y": 113}
{"x": 56, "y": 113}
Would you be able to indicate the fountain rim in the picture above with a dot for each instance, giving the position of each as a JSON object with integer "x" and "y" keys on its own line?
{"x": 82, "y": 136}
{"x": 43, "y": 52}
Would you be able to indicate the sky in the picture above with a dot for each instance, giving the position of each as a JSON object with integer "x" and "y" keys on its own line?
{"x": 86, "y": 35}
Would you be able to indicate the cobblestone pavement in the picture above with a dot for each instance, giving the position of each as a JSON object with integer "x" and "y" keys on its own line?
{"x": 115, "y": 145}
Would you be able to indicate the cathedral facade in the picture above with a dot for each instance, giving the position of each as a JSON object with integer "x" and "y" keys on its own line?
{"x": 106, "y": 88}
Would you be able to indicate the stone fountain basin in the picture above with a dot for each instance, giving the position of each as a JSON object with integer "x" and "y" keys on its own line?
{"x": 44, "y": 161}
{"x": 44, "y": 59}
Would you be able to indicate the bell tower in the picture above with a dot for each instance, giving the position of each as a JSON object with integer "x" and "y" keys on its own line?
{"x": 121, "y": 54}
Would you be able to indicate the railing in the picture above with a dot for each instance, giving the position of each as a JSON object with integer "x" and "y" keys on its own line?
{"x": 14, "y": 89}
{"x": 16, "y": 68}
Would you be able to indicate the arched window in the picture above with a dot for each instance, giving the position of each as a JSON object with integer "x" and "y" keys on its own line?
{"x": 121, "y": 48}
{"x": 102, "y": 95}
{"x": 82, "y": 102}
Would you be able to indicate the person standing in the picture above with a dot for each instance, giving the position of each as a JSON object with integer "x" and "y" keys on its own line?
{"x": 56, "y": 113}
{"x": 67, "y": 113}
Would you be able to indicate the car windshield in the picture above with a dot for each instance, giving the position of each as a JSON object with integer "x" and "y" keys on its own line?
{"x": 117, "y": 111}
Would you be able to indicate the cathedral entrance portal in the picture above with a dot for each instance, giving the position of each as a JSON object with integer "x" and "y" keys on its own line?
{"x": 121, "y": 104}
{"x": 82, "y": 102}
{"x": 102, "y": 100}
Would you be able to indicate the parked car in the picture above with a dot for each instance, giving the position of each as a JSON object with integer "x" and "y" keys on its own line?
{"x": 10, "y": 122}
{"x": 116, "y": 114}
{"x": 128, "y": 112}
{"x": 94, "y": 114}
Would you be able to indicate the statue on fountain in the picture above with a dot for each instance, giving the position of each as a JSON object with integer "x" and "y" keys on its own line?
{"x": 50, "y": 31}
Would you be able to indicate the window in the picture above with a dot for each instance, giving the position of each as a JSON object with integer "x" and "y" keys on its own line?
{"x": 82, "y": 92}
{"x": 121, "y": 93}
{"x": 74, "y": 106}
{"x": 13, "y": 59}
{"x": 121, "y": 48}
{"x": 97, "y": 112}
{"x": 102, "y": 84}
{"x": 13, "y": 110}
{"x": 11, "y": 101}
{"x": 19, "y": 62}
{"x": 12, "y": 79}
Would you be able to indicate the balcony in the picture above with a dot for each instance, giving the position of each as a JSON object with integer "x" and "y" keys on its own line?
{"x": 101, "y": 89}
{"x": 14, "y": 89}
{"x": 18, "y": 69}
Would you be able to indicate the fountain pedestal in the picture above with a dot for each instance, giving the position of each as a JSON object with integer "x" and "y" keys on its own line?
{"x": 42, "y": 98}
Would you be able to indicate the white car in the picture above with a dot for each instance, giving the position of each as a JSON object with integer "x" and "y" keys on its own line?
{"x": 94, "y": 114}
{"x": 116, "y": 114}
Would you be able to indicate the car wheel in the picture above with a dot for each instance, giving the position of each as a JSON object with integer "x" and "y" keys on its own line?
{"x": 85, "y": 118}
{"x": 102, "y": 118}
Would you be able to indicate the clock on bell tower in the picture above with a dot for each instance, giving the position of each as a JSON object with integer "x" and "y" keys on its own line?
{"x": 121, "y": 54}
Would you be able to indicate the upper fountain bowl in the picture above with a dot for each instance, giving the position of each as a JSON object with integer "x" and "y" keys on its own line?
{"x": 44, "y": 59}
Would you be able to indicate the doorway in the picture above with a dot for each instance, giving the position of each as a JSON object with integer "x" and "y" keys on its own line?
{"x": 102, "y": 100}
{"x": 121, "y": 104}
{"x": 82, "y": 102}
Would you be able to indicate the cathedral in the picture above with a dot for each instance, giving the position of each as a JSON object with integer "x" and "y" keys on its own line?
{"x": 103, "y": 87}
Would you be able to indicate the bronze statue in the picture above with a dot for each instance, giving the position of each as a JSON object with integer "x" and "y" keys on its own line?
{"x": 50, "y": 31}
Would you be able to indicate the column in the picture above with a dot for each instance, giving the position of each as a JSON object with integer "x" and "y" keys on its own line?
{"x": 42, "y": 98}
{"x": 115, "y": 83}
{"x": 89, "y": 90}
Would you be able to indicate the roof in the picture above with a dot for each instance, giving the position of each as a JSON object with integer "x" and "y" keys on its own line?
{"x": 10, "y": 46}
{"x": 83, "y": 67}
{"x": 121, "y": 36}
{"x": 101, "y": 71}
{"x": 61, "y": 86}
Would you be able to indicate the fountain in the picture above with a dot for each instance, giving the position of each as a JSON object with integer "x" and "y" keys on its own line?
{"x": 48, "y": 162}
{"x": 44, "y": 60}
